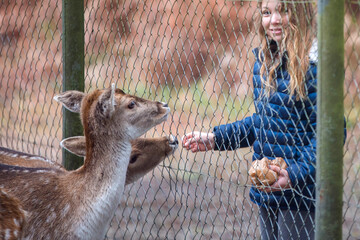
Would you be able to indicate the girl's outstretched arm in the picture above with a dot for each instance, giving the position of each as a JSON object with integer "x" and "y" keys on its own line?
{"x": 198, "y": 141}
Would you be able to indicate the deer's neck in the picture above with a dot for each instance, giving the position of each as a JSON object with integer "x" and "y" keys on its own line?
{"x": 104, "y": 172}
{"x": 108, "y": 156}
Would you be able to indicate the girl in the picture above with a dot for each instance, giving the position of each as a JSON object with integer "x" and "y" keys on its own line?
{"x": 284, "y": 124}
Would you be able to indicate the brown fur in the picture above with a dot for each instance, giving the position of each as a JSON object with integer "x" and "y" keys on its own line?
{"x": 146, "y": 153}
{"x": 15, "y": 158}
{"x": 12, "y": 217}
{"x": 79, "y": 204}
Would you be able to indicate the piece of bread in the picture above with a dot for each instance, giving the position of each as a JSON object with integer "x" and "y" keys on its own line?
{"x": 260, "y": 173}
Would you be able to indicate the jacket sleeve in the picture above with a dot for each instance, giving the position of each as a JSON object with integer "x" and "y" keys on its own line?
{"x": 302, "y": 170}
{"x": 235, "y": 135}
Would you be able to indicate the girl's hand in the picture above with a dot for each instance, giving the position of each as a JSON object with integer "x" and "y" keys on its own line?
{"x": 198, "y": 141}
{"x": 282, "y": 183}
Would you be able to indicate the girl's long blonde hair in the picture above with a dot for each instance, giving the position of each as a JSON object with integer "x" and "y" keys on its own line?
{"x": 297, "y": 42}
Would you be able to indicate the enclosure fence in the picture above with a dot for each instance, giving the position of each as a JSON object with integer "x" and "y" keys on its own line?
{"x": 196, "y": 56}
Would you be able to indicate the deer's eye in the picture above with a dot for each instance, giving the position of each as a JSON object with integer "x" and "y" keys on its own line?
{"x": 131, "y": 105}
{"x": 133, "y": 158}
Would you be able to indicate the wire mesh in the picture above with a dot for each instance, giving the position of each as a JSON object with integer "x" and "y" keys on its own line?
{"x": 196, "y": 56}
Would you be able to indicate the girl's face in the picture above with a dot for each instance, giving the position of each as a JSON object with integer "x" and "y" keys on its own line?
{"x": 275, "y": 19}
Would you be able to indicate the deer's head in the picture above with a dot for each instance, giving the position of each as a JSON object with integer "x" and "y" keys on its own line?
{"x": 146, "y": 153}
{"x": 114, "y": 114}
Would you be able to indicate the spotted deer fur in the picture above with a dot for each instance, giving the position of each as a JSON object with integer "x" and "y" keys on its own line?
{"x": 79, "y": 204}
{"x": 16, "y": 158}
{"x": 12, "y": 216}
{"x": 146, "y": 153}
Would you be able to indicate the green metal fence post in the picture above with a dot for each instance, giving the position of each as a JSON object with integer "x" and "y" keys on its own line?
{"x": 330, "y": 128}
{"x": 73, "y": 69}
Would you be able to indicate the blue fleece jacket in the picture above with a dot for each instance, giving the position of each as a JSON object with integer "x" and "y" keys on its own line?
{"x": 281, "y": 127}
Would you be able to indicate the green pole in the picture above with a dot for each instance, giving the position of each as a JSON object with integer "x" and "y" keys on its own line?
{"x": 330, "y": 119}
{"x": 73, "y": 70}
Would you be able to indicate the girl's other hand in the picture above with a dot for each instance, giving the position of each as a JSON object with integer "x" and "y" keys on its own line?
{"x": 282, "y": 183}
{"x": 198, "y": 141}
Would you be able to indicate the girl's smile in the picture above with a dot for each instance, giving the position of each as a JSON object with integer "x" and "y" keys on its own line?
{"x": 275, "y": 19}
{"x": 277, "y": 31}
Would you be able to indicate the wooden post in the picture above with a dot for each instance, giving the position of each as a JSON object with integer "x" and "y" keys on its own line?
{"x": 73, "y": 70}
{"x": 330, "y": 120}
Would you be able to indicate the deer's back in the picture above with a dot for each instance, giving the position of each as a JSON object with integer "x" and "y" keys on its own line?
{"x": 45, "y": 198}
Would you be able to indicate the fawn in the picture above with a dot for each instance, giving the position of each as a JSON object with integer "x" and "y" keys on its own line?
{"x": 79, "y": 204}
{"x": 146, "y": 154}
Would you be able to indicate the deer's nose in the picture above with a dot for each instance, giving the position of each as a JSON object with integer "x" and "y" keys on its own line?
{"x": 173, "y": 140}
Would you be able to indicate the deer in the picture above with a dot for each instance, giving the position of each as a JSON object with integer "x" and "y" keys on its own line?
{"x": 12, "y": 216}
{"x": 146, "y": 154}
{"x": 79, "y": 204}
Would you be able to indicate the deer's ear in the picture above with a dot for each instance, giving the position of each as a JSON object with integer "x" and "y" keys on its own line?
{"x": 71, "y": 100}
{"x": 75, "y": 145}
{"x": 106, "y": 104}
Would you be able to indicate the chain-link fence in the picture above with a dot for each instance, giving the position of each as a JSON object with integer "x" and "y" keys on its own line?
{"x": 196, "y": 56}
